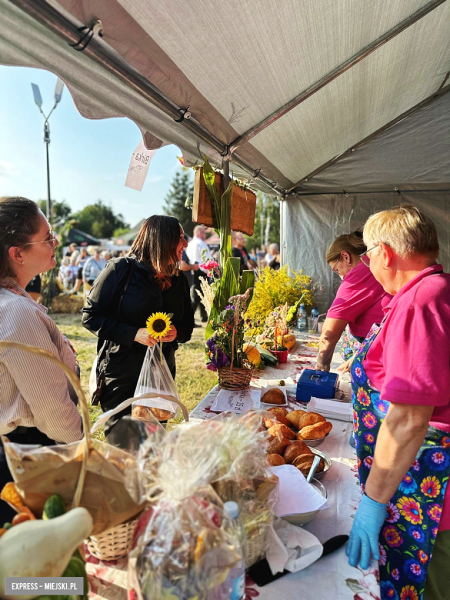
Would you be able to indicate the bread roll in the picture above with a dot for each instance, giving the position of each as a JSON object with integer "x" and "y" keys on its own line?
{"x": 295, "y": 449}
{"x": 280, "y": 414}
{"x": 304, "y": 462}
{"x": 294, "y": 417}
{"x": 283, "y": 431}
{"x": 274, "y": 396}
{"x": 315, "y": 432}
{"x": 310, "y": 418}
{"x": 277, "y": 445}
{"x": 275, "y": 460}
{"x": 278, "y": 410}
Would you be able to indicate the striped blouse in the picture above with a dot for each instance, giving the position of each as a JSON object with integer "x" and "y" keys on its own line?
{"x": 34, "y": 392}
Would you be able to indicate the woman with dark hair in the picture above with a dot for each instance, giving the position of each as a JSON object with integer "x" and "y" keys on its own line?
{"x": 125, "y": 294}
{"x": 37, "y": 403}
{"x": 358, "y": 304}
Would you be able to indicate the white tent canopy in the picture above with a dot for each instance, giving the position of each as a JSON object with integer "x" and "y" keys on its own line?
{"x": 302, "y": 96}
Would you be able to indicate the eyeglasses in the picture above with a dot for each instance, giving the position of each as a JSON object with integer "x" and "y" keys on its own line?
{"x": 51, "y": 240}
{"x": 364, "y": 256}
{"x": 333, "y": 268}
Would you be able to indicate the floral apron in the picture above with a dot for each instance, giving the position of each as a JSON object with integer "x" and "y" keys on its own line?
{"x": 350, "y": 344}
{"x": 413, "y": 514}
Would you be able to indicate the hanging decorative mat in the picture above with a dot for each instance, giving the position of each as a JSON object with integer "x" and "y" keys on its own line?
{"x": 243, "y": 205}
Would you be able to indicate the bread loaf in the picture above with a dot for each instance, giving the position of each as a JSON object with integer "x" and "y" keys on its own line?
{"x": 280, "y": 414}
{"x": 275, "y": 460}
{"x": 278, "y": 410}
{"x": 281, "y": 430}
{"x": 310, "y": 418}
{"x": 144, "y": 413}
{"x": 295, "y": 449}
{"x": 304, "y": 462}
{"x": 274, "y": 396}
{"x": 294, "y": 417}
{"x": 277, "y": 445}
{"x": 315, "y": 432}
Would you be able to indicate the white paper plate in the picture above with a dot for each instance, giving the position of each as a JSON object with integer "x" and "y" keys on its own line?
{"x": 266, "y": 388}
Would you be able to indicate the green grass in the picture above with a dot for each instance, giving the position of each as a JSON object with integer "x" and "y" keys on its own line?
{"x": 193, "y": 380}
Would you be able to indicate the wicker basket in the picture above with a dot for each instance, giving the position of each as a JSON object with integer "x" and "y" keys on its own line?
{"x": 235, "y": 378}
{"x": 114, "y": 543}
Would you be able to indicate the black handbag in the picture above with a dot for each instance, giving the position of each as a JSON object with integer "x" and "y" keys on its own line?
{"x": 95, "y": 400}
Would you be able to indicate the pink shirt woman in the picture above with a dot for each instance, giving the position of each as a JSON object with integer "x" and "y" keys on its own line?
{"x": 358, "y": 304}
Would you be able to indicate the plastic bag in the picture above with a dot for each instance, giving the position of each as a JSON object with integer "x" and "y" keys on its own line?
{"x": 156, "y": 391}
{"x": 183, "y": 547}
{"x": 181, "y": 544}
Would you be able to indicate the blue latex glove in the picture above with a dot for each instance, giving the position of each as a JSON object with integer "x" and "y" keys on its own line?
{"x": 367, "y": 525}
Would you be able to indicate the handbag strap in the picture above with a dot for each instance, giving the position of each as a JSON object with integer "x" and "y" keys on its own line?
{"x": 105, "y": 361}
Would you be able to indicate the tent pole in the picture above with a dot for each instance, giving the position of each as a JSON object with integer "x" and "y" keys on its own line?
{"x": 348, "y": 64}
{"x": 48, "y": 16}
{"x": 429, "y": 100}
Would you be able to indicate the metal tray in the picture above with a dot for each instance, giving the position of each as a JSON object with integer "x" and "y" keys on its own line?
{"x": 315, "y": 443}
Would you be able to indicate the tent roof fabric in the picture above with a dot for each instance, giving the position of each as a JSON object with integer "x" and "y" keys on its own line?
{"x": 235, "y": 63}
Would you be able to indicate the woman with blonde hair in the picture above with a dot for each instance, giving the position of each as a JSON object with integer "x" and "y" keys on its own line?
{"x": 401, "y": 399}
{"x": 358, "y": 304}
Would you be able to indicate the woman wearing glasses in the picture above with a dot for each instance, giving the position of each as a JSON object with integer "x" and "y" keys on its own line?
{"x": 401, "y": 399}
{"x": 37, "y": 403}
{"x": 358, "y": 304}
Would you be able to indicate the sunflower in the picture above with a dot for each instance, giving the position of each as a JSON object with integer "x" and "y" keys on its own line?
{"x": 158, "y": 325}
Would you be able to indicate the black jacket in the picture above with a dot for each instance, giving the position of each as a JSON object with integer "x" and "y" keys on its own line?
{"x": 142, "y": 298}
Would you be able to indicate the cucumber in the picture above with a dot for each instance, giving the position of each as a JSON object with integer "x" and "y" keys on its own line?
{"x": 54, "y": 507}
{"x": 267, "y": 356}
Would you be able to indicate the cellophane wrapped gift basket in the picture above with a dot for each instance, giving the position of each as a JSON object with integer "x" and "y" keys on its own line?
{"x": 184, "y": 544}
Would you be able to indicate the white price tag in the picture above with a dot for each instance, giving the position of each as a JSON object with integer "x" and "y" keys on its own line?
{"x": 138, "y": 169}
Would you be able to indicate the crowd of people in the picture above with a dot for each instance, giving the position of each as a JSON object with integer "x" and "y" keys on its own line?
{"x": 393, "y": 306}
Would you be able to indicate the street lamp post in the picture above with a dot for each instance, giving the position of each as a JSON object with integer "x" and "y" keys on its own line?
{"x": 38, "y": 100}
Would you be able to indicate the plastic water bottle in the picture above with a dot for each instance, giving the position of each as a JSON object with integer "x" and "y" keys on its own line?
{"x": 301, "y": 318}
{"x": 234, "y": 585}
{"x": 315, "y": 319}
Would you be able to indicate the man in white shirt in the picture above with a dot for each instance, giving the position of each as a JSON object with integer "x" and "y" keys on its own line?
{"x": 198, "y": 252}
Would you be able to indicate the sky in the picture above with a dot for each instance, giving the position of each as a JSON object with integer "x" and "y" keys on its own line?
{"x": 88, "y": 159}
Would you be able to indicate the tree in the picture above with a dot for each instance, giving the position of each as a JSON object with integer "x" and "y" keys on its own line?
{"x": 182, "y": 187}
{"x": 120, "y": 231}
{"x": 267, "y": 222}
{"x": 60, "y": 210}
{"x": 99, "y": 220}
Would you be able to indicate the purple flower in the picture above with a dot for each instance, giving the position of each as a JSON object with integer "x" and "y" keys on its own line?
{"x": 211, "y": 367}
{"x": 230, "y": 307}
{"x": 219, "y": 358}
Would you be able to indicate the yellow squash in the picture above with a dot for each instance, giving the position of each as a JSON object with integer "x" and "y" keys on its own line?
{"x": 253, "y": 354}
{"x": 288, "y": 340}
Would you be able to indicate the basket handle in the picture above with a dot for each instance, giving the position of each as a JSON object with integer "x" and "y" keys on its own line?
{"x": 81, "y": 399}
{"x": 107, "y": 415}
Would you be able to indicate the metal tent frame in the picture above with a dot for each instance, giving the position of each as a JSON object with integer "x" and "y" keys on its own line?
{"x": 91, "y": 44}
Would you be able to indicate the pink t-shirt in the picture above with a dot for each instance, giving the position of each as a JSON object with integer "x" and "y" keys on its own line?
{"x": 409, "y": 361}
{"x": 360, "y": 300}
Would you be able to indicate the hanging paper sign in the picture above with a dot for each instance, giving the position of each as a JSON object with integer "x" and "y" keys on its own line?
{"x": 138, "y": 169}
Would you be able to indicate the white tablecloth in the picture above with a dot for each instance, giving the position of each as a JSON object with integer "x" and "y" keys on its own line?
{"x": 331, "y": 577}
